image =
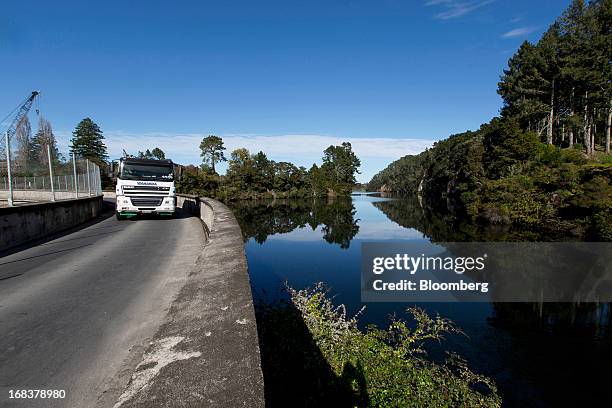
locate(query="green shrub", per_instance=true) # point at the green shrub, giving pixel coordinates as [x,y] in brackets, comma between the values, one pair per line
[573,156]
[605,158]
[550,155]
[388,367]
[602,225]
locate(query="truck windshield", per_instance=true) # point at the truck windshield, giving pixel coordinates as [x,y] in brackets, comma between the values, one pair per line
[146,172]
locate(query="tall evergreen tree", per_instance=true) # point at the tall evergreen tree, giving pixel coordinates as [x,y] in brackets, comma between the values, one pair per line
[562,85]
[88,142]
[212,151]
[548,48]
[523,87]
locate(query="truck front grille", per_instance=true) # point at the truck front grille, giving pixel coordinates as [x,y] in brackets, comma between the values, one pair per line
[147,201]
[150,188]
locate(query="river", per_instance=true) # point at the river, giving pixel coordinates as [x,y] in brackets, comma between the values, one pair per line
[539,354]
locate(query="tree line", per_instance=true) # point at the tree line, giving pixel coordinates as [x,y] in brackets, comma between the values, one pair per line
[254,175]
[31,158]
[155,154]
[561,86]
[543,162]
[31,150]
[248,175]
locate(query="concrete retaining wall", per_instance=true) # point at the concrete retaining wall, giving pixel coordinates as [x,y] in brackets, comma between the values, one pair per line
[28,222]
[200,207]
[214,319]
[39,195]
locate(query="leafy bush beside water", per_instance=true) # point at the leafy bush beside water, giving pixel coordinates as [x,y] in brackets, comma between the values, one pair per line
[314,354]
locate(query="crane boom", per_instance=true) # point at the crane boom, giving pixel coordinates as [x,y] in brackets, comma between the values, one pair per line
[22,110]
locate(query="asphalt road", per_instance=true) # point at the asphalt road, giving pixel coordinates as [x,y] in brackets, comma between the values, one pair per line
[76,312]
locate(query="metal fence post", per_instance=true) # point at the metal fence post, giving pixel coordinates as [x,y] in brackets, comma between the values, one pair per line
[8,169]
[98,181]
[76,178]
[88,179]
[51,173]
[95,179]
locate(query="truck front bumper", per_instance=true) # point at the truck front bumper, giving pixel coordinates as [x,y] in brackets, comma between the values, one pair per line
[125,207]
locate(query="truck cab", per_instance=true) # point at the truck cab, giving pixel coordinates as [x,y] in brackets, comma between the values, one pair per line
[145,186]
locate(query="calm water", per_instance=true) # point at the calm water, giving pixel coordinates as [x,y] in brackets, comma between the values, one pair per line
[540,355]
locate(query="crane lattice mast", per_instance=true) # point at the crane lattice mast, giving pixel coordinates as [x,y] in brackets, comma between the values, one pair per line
[22,110]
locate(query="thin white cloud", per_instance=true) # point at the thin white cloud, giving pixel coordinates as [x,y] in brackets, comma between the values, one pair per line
[454,9]
[519,32]
[187,144]
[301,149]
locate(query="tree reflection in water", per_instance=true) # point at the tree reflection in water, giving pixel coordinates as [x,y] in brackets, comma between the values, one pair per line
[594,318]
[260,219]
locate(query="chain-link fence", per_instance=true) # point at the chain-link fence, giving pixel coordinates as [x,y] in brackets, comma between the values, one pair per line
[41,174]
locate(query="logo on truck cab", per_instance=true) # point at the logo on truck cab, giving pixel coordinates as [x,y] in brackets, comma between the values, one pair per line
[146,183]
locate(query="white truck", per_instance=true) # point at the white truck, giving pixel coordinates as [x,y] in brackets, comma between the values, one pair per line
[145,186]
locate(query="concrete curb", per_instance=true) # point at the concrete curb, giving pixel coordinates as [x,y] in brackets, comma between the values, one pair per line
[206,353]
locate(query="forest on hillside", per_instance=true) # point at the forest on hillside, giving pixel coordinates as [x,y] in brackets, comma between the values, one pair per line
[545,161]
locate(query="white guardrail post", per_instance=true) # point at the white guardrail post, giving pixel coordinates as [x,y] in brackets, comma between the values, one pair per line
[99,180]
[88,179]
[51,173]
[8,169]
[76,178]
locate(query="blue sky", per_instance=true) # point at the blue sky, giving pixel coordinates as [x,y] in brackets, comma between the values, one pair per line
[286,77]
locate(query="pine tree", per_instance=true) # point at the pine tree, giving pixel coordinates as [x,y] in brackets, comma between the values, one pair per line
[524,88]
[212,151]
[548,48]
[88,142]
[562,85]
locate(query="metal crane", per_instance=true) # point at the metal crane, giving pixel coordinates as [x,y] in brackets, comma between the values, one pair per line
[5,143]
[22,109]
